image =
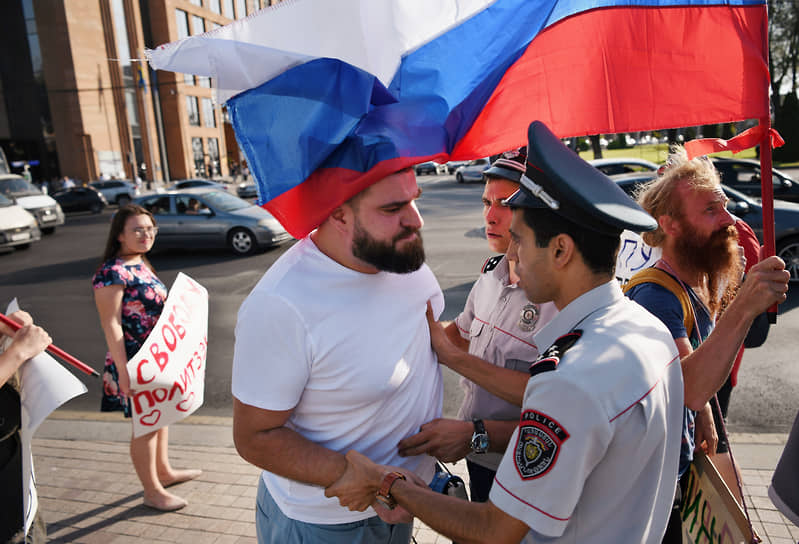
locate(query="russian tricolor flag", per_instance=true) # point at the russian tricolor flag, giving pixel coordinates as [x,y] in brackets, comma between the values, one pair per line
[328,96]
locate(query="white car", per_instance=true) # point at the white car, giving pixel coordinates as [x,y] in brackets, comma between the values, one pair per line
[116,191]
[472,171]
[44,208]
[17,226]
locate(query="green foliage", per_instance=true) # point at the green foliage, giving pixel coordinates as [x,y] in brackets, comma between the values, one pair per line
[619,142]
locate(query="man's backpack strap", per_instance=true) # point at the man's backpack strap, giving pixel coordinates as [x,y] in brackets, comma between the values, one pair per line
[667,281]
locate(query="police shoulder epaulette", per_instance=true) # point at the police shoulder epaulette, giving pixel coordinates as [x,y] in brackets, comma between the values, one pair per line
[491,263]
[551,357]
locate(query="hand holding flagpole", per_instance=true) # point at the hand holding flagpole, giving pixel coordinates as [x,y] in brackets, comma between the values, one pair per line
[55,350]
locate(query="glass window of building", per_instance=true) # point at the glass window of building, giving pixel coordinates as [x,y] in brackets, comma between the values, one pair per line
[197,2]
[188,79]
[197,24]
[204,81]
[213,156]
[193,110]
[198,156]
[215,6]
[241,10]
[209,116]
[183,23]
[229,9]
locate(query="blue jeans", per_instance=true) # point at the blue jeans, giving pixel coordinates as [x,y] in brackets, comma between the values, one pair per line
[273,527]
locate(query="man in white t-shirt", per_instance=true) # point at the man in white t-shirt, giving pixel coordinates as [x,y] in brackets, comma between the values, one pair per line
[594,456]
[333,353]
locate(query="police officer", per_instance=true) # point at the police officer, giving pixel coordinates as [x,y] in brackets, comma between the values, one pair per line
[595,454]
[497,324]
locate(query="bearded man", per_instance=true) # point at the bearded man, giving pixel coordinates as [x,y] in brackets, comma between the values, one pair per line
[333,353]
[700,251]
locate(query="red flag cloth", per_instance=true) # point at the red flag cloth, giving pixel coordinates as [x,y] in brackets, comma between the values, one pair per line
[747,139]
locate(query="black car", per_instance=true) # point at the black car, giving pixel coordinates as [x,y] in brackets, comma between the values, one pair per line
[786,217]
[80,199]
[744,175]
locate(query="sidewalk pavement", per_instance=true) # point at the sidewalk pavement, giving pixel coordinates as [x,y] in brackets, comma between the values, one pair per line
[89,493]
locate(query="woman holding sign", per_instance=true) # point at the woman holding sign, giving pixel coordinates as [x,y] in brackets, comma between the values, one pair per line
[129,298]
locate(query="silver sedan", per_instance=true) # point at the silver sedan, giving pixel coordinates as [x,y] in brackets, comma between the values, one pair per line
[208,218]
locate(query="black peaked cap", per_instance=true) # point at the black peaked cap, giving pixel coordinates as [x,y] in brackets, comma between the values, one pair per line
[557,179]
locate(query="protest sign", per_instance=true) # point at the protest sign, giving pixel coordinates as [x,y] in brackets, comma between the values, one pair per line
[634,255]
[44,386]
[710,513]
[167,374]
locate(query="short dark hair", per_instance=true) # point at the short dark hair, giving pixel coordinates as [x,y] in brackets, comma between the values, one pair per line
[597,250]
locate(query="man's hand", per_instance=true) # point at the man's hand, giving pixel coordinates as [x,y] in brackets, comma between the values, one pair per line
[442,345]
[705,436]
[446,439]
[358,486]
[765,284]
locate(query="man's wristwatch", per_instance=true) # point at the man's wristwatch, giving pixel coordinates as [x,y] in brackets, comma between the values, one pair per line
[384,493]
[480,437]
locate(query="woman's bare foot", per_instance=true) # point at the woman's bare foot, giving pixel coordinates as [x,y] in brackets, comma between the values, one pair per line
[166,502]
[179,476]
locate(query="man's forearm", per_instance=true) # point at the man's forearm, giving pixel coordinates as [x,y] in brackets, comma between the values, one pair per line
[499,434]
[503,382]
[706,369]
[287,453]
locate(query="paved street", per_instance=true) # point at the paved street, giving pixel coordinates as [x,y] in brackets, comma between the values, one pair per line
[88,488]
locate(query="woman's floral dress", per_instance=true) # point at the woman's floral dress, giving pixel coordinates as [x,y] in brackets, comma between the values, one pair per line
[142,301]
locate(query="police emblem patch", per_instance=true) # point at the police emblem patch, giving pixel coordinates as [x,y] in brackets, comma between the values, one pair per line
[528,317]
[538,444]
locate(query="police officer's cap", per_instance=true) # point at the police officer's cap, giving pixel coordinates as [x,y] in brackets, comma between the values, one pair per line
[510,165]
[557,179]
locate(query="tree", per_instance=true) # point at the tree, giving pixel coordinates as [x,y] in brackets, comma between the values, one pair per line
[783,35]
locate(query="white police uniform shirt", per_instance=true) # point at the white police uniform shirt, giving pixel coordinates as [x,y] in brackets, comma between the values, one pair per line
[595,456]
[499,323]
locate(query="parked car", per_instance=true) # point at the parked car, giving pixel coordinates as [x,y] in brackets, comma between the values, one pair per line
[80,199]
[786,217]
[116,191]
[744,175]
[194,183]
[18,227]
[623,165]
[472,171]
[430,167]
[47,212]
[452,166]
[218,220]
[247,189]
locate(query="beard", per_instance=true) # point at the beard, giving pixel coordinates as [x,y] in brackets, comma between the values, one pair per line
[384,255]
[717,256]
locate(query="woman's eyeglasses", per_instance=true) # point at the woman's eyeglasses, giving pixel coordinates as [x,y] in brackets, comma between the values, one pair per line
[141,232]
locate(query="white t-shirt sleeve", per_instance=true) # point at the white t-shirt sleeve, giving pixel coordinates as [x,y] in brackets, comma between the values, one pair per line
[563,433]
[272,354]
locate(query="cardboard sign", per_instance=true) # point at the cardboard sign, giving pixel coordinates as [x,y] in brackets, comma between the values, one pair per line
[167,374]
[710,513]
[634,255]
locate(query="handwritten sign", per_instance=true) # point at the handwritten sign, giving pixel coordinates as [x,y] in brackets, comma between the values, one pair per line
[45,385]
[634,255]
[168,372]
[710,513]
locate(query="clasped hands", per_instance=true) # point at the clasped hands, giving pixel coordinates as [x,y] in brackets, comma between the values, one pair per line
[357,488]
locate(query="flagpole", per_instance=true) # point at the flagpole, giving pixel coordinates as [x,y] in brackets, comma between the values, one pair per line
[767,200]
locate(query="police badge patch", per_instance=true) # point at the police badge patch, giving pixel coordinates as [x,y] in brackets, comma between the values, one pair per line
[528,317]
[538,444]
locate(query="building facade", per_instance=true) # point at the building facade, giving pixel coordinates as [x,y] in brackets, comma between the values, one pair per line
[99,110]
